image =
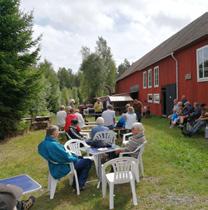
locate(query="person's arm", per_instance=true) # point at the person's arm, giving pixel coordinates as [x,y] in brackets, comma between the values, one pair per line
[75,134]
[60,155]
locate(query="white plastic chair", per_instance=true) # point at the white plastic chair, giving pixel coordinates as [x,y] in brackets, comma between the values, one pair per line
[106,136]
[139,152]
[123,173]
[125,137]
[52,183]
[74,146]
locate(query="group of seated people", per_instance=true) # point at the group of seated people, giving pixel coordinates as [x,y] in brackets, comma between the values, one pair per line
[190,118]
[58,158]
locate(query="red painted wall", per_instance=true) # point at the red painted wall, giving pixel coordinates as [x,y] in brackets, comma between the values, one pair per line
[194,91]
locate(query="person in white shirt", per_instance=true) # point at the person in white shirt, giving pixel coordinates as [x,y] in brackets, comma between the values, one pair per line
[131,118]
[61,117]
[109,117]
[80,119]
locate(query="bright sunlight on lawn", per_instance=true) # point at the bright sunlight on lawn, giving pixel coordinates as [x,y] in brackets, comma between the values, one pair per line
[176,173]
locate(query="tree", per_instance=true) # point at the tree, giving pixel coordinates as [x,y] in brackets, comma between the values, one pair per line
[53,95]
[18,52]
[123,67]
[92,82]
[108,64]
[66,78]
[85,51]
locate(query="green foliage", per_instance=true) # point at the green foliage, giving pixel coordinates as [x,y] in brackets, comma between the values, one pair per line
[18,52]
[108,64]
[65,77]
[91,78]
[52,86]
[101,66]
[123,67]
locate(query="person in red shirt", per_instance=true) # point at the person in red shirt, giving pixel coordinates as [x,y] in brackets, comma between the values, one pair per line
[70,116]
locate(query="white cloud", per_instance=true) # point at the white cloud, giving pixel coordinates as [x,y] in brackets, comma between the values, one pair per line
[131,28]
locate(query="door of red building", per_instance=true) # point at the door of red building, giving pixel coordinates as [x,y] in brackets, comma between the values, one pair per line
[168,95]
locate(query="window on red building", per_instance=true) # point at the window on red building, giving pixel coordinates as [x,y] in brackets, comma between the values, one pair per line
[144,79]
[149,78]
[156,76]
[202,64]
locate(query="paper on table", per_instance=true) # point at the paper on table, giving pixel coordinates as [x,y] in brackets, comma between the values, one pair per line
[103,149]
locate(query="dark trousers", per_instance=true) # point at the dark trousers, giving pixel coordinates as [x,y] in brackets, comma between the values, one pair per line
[139,116]
[82,167]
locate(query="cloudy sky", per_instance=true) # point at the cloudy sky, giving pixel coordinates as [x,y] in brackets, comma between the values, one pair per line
[131,27]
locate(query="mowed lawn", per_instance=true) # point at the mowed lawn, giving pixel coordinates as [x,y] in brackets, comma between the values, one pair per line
[176,173]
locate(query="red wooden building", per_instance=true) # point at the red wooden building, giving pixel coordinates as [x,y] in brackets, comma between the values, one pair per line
[178,66]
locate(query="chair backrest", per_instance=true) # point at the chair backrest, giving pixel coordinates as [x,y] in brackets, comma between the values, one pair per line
[122,167]
[74,146]
[139,150]
[108,137]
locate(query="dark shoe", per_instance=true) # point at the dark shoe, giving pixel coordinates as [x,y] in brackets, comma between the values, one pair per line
[28,203]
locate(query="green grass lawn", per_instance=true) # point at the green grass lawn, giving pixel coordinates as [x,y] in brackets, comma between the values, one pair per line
[176,173]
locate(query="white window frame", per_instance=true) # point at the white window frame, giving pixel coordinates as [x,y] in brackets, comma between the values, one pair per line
[156,101]
[158,70]
[144,79]
[149,73]
[149,100]
[205,79]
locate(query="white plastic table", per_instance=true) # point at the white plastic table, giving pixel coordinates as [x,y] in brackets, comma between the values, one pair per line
[23,181]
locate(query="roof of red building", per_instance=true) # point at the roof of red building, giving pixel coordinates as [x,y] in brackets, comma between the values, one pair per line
[190,33]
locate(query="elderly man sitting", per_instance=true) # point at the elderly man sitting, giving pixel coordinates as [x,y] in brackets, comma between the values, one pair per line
[135,140]
[99,127]
[53,151]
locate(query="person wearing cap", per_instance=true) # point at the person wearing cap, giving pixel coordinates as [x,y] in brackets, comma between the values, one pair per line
[9,198]
[99,127]
[61,117]
[109,117]
[73,131]
[58,158]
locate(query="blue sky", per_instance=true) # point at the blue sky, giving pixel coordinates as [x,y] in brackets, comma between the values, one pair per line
[131,28]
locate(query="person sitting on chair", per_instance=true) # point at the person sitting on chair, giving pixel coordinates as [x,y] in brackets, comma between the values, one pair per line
[57,158]
[73,131]
[99,127]
[136,139]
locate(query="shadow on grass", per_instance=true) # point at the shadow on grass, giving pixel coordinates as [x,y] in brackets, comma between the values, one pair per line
[89,199]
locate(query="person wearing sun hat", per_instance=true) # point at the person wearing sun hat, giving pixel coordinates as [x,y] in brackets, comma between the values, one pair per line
[9,198]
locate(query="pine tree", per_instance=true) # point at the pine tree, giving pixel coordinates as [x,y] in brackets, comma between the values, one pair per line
[18,53]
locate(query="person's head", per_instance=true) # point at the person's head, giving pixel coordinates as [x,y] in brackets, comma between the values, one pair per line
[183,97]
[196,104]
[62,107]
[187,103]
[180,104]
[137,128]
[98,100]
[72,101]
[53,131]
[110,107]
[175,101]
[68,108]
[130,109]
[100,121]
[9,194]
[127,106]
[74,122]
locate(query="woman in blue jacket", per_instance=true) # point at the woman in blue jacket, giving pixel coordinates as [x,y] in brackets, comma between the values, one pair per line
[57,158]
